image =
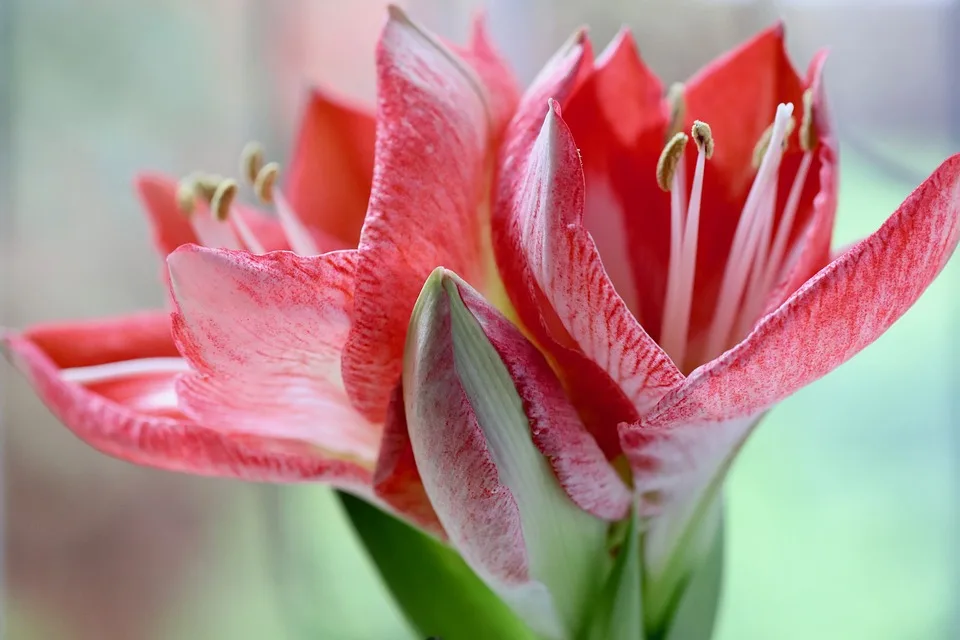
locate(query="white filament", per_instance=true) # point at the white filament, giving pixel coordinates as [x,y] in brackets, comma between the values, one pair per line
[296,232]
[676,315]
[747,237]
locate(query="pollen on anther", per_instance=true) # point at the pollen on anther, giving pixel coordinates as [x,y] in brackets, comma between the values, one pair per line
[669,159]
[265,180]
[222,199]
[251,161]
[703,137]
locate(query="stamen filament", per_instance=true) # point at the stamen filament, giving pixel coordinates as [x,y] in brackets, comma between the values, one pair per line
[299,237]
[246,234]
[747,235]
[786,221]
[124,369]
[677,317]
[670,174]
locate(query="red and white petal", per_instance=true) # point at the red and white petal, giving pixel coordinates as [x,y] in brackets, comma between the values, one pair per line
[328,180]
[492,487]
[433,130]
[562,292]
[265,336]
[129,410]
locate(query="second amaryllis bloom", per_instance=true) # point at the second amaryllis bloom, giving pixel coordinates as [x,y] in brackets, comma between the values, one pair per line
[561,316]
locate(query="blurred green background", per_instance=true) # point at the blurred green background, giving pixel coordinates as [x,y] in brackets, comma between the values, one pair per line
[842,511]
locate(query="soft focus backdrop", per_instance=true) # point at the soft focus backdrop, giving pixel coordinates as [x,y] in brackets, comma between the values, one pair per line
[842,512]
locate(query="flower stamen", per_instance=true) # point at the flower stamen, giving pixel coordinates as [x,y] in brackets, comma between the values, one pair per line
[210,230]
[807,143]
[745,250]
[679,301]
[222,199]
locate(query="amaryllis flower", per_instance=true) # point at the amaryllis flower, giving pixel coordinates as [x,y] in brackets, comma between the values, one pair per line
[112,381]
[565,312]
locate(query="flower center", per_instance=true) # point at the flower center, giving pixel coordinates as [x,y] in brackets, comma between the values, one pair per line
[226,227]
[758,249]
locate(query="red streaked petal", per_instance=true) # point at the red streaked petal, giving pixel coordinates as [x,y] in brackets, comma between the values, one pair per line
[557,274]
[431,160]
[328,181]
[107,416]
[579,464]
[265,335]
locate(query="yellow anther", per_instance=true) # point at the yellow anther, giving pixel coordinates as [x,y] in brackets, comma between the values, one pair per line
[670,157]
[251,161]
[808,137]
[678,109]
[266,178]
[222,199]
[702,135]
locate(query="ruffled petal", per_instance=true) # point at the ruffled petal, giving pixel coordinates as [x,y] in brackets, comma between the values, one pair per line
[129,410]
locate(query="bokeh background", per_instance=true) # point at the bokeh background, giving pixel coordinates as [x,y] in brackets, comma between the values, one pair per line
[843,509]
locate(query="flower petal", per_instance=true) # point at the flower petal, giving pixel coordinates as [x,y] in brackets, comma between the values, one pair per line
[431,161]
[396,479]
[131,413]
[328,181]
[618,121]
[491,486]
[95,342]
[264,335]
[560,288]
[502,91]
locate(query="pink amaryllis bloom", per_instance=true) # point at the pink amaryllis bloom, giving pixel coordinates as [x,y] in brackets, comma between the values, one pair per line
[112,381]
[561,306]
